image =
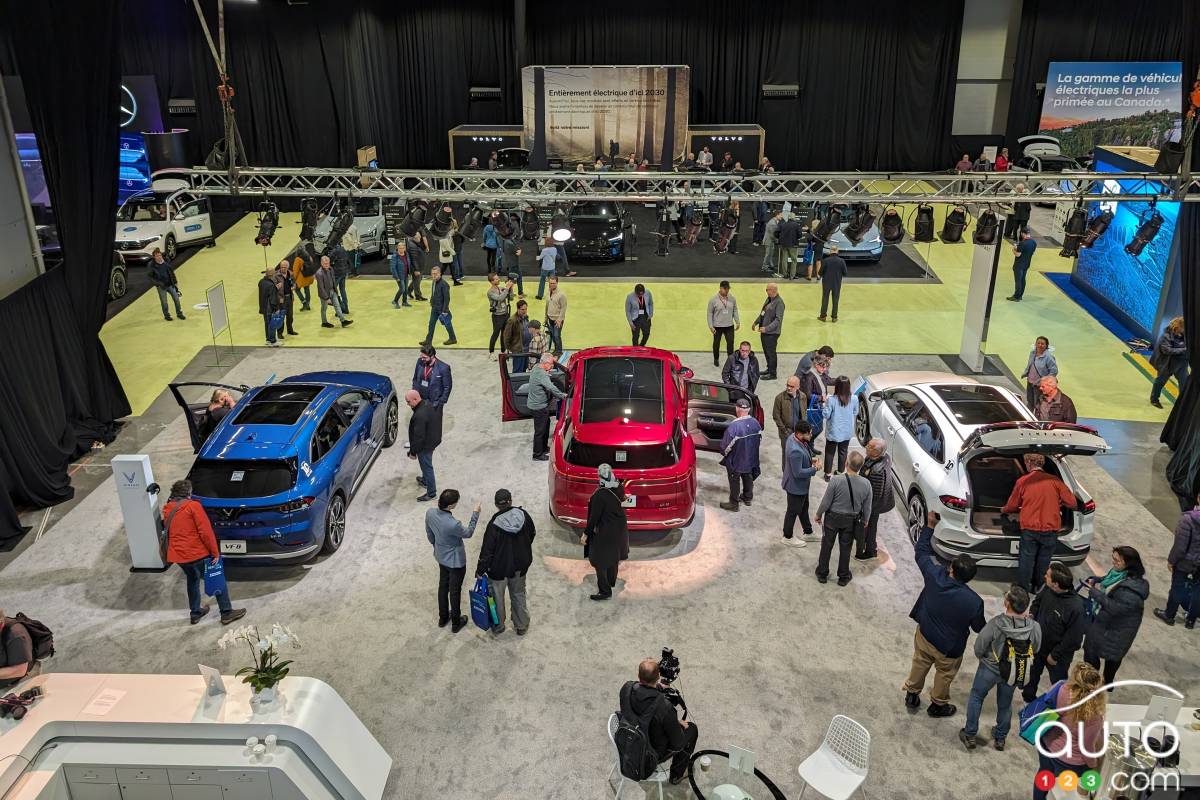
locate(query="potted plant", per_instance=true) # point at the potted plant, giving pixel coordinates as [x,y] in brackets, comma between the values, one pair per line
[268,669]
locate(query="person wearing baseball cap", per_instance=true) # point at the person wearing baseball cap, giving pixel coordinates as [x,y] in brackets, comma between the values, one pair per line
[505,557]
[739,449]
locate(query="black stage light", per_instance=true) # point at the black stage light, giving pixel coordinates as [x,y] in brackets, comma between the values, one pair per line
[1073,230]
[1096,228]
[268,221]
[825,227]
[415,219]
[858,227]
[472,221]
[442,218]
[560,226]
[952,228]
[341,224]
[531,228]
[503,224]
[891,227]
[1145,233]
[985,227]
[923,227]
[310,213]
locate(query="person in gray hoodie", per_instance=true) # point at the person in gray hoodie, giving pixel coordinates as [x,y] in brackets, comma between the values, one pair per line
[505,558]
[446,534]
[995,660]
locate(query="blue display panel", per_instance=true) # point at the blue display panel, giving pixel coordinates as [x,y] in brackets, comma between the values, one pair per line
[134,174]
[1128,286]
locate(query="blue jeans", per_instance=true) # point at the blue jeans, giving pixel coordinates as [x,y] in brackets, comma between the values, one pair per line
[1055,766]
[341,289]
[1184,593]
[305,295]
[401,295]
[542,283]
[173,291]
[337,309]
[1019,281]
[433,320]
[425,459]
[1181,375]
[357,262]
[194,573]
[456,267]
[520,364]
[985,679]
[1033,558]
[555,332]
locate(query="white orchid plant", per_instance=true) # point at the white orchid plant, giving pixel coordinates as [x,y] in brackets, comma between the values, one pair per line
[268,670]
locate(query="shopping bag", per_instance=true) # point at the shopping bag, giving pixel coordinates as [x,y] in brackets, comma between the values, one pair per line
[214,578]
[815,415]
[482,604]
[445,317]
[277,320]
[491,595]
[1035,716]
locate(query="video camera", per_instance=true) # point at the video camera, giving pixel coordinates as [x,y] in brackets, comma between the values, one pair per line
[668,673]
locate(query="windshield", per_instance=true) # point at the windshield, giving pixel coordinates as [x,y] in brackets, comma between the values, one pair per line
[232,479]
[622,388]
[144,209]
[366,206]
[594,211]
[977,405]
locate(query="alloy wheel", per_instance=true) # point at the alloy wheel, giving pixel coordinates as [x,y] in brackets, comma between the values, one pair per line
[916,516]
[335,526]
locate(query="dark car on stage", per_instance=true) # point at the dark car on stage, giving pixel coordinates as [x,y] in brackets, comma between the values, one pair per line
[278,471]
[640,411]
[597,231]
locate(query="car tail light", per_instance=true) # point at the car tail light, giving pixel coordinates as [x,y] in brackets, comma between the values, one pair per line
[950,501]
[296,505]
[1089,507]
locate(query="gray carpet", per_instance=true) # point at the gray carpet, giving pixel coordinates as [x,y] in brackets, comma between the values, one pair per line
[769,656]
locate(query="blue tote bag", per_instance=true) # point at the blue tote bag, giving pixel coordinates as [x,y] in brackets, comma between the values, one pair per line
[1035,716]
[481,612]
[214,578]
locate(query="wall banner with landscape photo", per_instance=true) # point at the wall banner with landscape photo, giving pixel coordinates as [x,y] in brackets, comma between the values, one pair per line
[578,113]
[1120,103]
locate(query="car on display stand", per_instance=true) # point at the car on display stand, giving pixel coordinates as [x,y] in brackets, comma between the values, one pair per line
[1041,153]
[956,447]
[166,216]
[869,248]
[597,231]
[368,221]
[277,473]
[639,410]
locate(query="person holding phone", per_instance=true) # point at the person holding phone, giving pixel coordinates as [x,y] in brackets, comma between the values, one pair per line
[191,544]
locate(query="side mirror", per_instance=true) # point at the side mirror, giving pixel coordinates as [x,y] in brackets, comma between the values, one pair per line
[376,398]
[179,217]
[686,372]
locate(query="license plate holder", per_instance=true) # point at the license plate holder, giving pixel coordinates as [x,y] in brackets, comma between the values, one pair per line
[233,546]
[630,501]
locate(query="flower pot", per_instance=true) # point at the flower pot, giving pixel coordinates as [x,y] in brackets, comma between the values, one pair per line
[263,697]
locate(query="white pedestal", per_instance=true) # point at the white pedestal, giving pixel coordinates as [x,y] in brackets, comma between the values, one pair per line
[140,511]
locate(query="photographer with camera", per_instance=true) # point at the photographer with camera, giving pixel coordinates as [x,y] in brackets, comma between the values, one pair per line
[648,719]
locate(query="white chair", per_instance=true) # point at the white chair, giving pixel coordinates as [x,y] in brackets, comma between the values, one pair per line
[661,774]
[839,766]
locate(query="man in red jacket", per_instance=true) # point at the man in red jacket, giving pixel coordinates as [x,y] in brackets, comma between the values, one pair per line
[190,544]
[1040,497]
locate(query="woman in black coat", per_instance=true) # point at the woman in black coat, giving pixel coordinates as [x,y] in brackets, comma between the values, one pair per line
[1117,602]
[606,537]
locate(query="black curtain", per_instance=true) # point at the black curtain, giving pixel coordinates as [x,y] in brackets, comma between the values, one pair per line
[876,91]
[1095,30]
[60,391]
[1182,431]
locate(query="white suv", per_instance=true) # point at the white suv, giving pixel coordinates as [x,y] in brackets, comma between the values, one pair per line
[166,216]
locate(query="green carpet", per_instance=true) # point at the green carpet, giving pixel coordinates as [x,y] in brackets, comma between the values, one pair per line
[874,318]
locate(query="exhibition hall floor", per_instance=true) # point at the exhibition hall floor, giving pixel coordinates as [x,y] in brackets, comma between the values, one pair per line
[892,317]
[768,654]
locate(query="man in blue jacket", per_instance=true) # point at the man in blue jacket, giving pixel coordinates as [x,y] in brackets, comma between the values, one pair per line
[439,308]
[946,612]
[799,465]
[432,379]
[739,447]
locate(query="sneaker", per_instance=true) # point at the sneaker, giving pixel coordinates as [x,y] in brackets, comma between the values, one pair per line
[843,581]
[458,625]
[912,701]
[1156,403]
[395,304]
[458,283]
[326,324]
[233,616]
[168,319]
[496,630]
[1162,615]
[599,597]
[729,506]
[811,537]
[450,341]
[346,323]
[181,316]
[941,709]
[998,744]
[967,740]
[197,617]
[794,542]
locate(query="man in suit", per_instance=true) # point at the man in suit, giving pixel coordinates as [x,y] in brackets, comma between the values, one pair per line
[832,270]
[639,311]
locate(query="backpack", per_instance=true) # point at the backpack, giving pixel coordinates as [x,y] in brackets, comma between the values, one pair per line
[1016,657]
[637,758]
[39,634]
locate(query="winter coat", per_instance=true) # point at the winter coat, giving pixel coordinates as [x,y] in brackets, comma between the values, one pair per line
[1187,539]
[400,266]
[162,275]
[1060,409]
[340,260]
[607,529]
[191,536]
[947,610]
[1038,495]
[781,411]
[877,471]
[416,253]
[1063,621]
[1043,365]
[740,444]
[839,419]
[512,338]
[732,371]
[489,237]
[813,383]
[507,549]
[1170,353]
[797,467]
[788,233]
[325,284]
[436,388]
[1112,632]
[268,297]
[424,428]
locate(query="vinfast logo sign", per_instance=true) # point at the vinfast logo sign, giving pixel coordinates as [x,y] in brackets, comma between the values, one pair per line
[1158,738]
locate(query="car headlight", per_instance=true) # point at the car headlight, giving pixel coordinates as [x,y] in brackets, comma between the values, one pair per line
[618,238]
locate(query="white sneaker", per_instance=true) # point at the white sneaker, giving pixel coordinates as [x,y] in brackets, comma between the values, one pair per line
[795,542]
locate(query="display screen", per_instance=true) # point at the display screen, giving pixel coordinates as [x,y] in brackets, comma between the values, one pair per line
[1129,286]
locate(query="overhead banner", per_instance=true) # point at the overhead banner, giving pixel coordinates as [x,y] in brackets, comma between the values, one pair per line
[1120,103]
[578,113]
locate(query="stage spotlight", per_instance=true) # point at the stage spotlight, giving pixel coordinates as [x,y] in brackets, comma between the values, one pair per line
[472,221]
[891,227]
[985,227]
[415,219]
[923,227]
[442,218]
[310,213]
[560,226]
[1073,230]
[503,224]
[952,228]
[1096,228]
[1145,232]
[825,227]
[858,227]
[268,221]
[341,224]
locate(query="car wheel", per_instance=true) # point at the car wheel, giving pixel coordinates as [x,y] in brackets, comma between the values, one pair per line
[169,248]
[116,284]
[391,423]
[335,524]
[862,424]
[916,516]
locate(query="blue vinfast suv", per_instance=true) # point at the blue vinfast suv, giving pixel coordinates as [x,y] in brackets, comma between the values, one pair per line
[277,471]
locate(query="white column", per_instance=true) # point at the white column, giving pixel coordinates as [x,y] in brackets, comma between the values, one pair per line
[985,259]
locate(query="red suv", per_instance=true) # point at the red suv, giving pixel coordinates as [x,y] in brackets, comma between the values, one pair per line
[639,410]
